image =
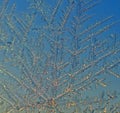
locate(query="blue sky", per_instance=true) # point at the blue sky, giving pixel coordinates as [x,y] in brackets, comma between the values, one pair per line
[109,7]
[105,6]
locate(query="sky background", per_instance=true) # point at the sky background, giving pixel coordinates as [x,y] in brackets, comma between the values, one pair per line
[109,7]
[103,9]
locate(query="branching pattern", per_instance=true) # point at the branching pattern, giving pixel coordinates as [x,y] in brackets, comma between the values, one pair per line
[52,59]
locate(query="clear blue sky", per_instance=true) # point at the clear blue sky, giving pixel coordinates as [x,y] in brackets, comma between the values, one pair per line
[106,6]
